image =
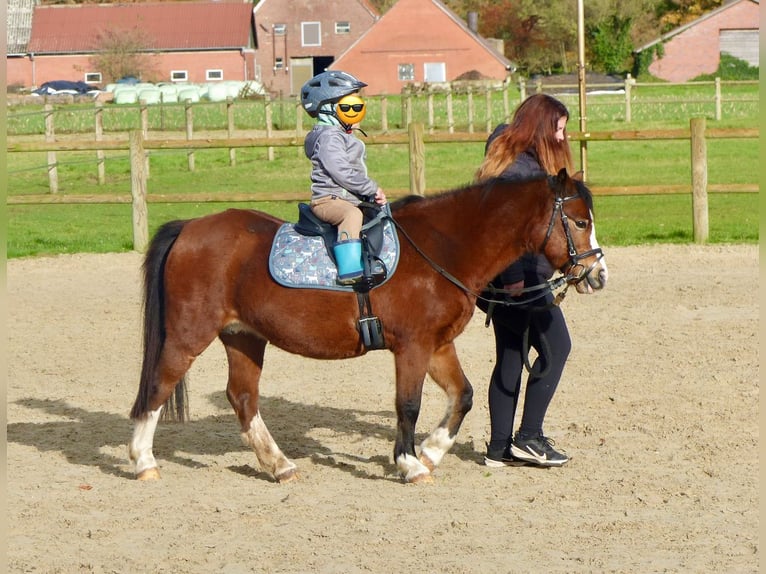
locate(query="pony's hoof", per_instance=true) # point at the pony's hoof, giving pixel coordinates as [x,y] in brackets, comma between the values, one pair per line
[149,474]
[288,476]
[425,478]
[427,462]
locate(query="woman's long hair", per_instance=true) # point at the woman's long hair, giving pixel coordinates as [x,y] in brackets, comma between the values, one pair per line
[533,128]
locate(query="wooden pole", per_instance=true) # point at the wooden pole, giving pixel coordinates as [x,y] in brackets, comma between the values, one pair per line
[269,126]
[138,192]
[230,129]
[581,84]
[417,159]
[99,137]
[50,136]
[488,105]
[699,180]
[189,131]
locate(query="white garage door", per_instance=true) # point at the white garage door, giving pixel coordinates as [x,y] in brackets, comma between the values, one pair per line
[742,44]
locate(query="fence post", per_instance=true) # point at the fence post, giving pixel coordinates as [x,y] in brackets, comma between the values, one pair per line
[699,180]
[470,110]
[189,131]
[99,137]
[628,111]
[506,104]
[268,110]
[718,99]
[145,129]
[417,159]
[230,129]
[50,136]
[138,192]
[488,104]
[430,100]
[450,113]
[522,89]
[384,114]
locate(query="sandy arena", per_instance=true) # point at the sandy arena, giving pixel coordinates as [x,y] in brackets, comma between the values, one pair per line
[658,409]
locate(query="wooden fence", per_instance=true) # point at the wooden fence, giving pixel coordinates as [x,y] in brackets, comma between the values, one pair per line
[416,138]
[451,107]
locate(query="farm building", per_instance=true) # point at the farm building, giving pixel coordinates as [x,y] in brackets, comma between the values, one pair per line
[298,39]
[421,41]
[181,42]
[696,47]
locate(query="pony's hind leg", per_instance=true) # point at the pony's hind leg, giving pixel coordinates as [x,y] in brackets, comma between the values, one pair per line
[173,364]
[245,354]
[445,370]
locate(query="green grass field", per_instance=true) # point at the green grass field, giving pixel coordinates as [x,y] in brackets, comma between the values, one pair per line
[622,220]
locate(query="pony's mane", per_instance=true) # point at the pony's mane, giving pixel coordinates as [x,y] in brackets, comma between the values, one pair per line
[487,185]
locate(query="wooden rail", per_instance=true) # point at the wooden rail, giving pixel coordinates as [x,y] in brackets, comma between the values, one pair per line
[416,139]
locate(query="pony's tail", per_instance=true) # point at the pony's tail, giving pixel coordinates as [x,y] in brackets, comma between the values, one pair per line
[176,407]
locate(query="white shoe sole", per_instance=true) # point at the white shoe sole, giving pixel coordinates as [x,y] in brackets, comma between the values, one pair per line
[531,458]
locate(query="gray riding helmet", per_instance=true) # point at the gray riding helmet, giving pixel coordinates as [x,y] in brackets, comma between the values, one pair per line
[329,86]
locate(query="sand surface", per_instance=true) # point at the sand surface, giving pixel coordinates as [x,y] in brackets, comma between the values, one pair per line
[657,408]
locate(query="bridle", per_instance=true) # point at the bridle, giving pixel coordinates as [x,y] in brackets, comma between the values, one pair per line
[574,257]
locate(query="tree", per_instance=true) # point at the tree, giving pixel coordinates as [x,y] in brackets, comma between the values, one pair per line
[123,52]
[610,44]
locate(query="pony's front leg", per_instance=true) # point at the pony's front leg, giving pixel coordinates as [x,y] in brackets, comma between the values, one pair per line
[245,354]
[446,372]
[410,373]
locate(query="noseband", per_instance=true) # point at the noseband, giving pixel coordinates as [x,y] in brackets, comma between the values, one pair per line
[574,258]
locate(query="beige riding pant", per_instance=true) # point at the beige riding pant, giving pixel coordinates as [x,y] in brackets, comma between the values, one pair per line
[339,212]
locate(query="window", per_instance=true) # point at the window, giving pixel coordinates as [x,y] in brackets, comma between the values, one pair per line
[279,29]
[93,78]
[179,75]
[213,75]
[342,27]
[407,72]
[279,63]
[435,72]
[311,34]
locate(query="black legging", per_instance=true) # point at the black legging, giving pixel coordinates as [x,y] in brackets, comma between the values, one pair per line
[508,324]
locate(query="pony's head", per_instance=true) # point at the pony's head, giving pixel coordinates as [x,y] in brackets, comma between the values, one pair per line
[572,231]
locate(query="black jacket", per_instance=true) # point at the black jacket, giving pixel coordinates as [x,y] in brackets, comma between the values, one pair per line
[530,268]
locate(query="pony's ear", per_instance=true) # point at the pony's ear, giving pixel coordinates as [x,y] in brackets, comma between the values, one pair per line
[578,175]
[562,176]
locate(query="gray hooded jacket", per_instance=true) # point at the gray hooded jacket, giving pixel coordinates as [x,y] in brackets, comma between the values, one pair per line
[338,165]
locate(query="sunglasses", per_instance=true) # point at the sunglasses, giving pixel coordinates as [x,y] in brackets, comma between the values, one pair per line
[348,107]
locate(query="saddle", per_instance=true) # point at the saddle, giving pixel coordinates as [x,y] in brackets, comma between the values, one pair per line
[371,235]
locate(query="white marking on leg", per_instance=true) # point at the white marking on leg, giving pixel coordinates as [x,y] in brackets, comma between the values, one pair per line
[411,468]
[140,449]
[269,455]
[436,445]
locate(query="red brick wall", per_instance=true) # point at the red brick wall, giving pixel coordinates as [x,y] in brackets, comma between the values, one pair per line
[422,33]
[35,72]
[696,50]
[293,13]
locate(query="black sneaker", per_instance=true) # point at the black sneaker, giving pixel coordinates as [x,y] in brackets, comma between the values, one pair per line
[537,450]
[497,457]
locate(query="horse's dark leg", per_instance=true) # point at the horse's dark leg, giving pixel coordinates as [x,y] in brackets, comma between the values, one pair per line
[245,353]
[445,370]
[411,368]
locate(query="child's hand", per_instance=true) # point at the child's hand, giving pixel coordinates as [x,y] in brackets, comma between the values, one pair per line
[380,197]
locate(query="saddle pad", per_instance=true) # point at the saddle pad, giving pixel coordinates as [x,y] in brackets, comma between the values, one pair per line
[302,261]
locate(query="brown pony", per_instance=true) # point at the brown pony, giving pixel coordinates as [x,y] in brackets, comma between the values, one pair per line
[209,277]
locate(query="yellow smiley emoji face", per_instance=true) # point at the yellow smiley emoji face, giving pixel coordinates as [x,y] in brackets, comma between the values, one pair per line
[351,109]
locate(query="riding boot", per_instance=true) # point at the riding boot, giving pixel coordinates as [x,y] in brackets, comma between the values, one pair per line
[348,256]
